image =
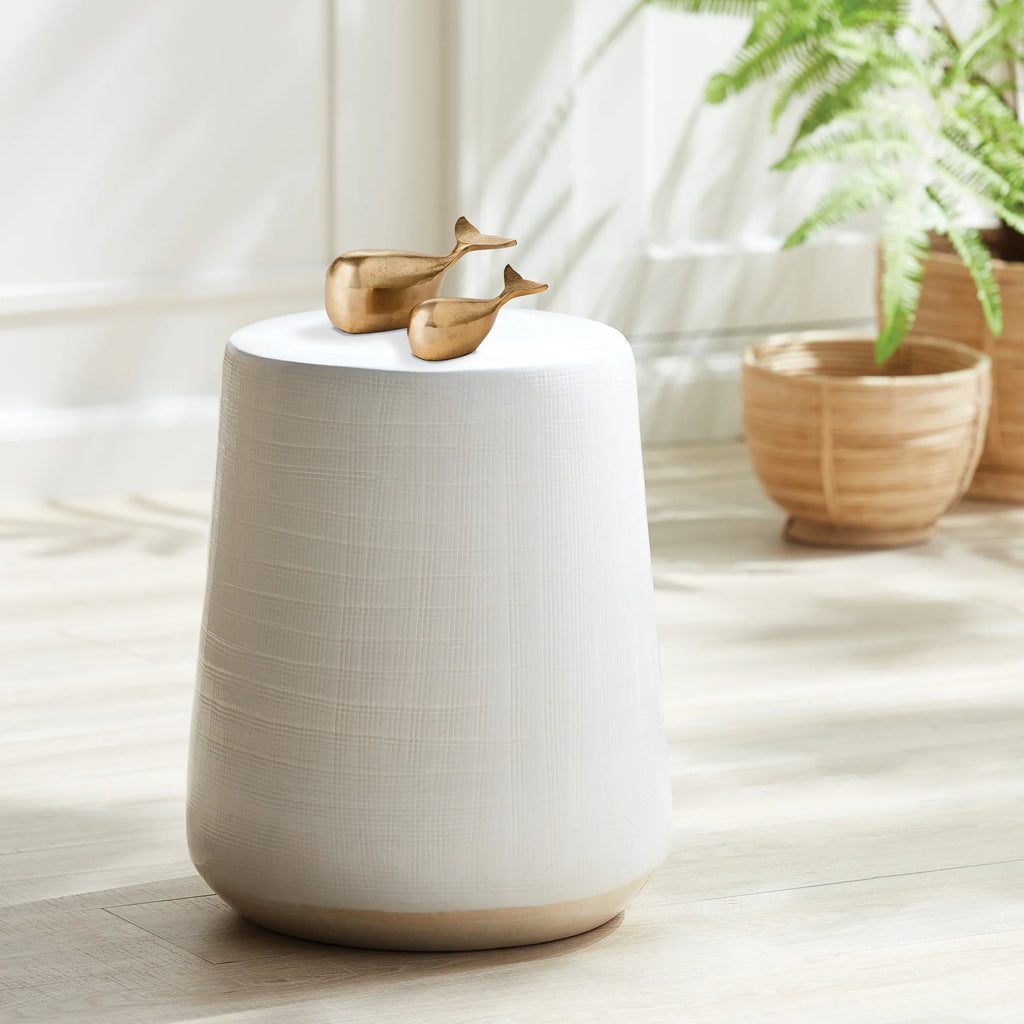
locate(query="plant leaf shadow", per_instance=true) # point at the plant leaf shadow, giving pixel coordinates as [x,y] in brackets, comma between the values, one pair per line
[66,528]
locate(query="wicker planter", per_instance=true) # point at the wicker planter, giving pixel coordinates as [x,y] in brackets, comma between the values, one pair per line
[861,455]
[949,309]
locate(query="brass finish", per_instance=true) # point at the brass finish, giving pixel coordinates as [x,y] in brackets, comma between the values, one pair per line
[449,328]
[446,930]
[376,289]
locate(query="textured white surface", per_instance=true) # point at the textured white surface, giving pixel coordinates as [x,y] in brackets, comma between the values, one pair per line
[428,676]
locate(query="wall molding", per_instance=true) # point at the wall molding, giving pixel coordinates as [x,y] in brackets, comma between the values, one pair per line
[837,238]
[689,381]
[656,343]
[688,386]
[129,446]
[64,421]
[28,300]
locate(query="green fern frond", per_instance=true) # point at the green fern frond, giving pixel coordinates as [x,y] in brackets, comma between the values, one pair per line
[921,117]
[817,70]
[1012,215]
[972,170]
[982,169]
[886,15]
[973,252]
[982,107]
[905,246]
[978,260]
[997,39]
[758,62]
[801,34]
[862,190]
[842,98]
[878,67]
[861,139]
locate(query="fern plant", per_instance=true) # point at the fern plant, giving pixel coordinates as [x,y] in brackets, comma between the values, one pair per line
[923,121]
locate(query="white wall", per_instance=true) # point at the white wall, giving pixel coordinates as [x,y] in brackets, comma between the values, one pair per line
[172,171]
[583,130]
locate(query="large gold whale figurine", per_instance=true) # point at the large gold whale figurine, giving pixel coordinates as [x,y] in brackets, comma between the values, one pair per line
[376,289]
[449,328]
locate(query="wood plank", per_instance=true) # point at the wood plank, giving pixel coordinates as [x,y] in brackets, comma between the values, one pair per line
[845,738]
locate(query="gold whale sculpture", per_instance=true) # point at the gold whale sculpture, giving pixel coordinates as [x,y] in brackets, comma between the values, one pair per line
[376,289]
[449,328]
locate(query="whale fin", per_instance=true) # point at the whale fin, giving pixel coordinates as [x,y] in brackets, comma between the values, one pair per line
[468,238]
[516,284]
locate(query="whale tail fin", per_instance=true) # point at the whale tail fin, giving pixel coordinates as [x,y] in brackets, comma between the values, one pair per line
[516,285]
[469,239]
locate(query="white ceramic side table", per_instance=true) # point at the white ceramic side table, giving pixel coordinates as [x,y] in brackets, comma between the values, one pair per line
[427,712]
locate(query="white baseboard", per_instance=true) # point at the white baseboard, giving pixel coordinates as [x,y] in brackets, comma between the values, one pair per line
[150,445]
[689,384]
[689,392]
[112,386]
[684,397]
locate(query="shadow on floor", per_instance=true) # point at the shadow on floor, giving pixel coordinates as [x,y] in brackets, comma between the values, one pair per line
[64,528]
[171,947]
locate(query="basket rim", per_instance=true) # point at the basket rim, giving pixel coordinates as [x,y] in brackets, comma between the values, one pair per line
[980,361]
[1009,267]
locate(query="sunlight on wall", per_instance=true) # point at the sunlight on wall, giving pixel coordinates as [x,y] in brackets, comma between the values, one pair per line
[175,171]
[163,183]
[644,207]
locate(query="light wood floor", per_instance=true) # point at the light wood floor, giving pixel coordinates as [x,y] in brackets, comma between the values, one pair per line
[847,737]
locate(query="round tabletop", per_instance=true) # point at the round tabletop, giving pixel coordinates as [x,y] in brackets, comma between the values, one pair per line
[520,338]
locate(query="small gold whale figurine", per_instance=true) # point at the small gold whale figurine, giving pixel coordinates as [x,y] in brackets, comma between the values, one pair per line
[376,289]
[449,328]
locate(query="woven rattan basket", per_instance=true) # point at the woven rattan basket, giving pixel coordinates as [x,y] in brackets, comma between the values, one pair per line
[862,455]
[949,308]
